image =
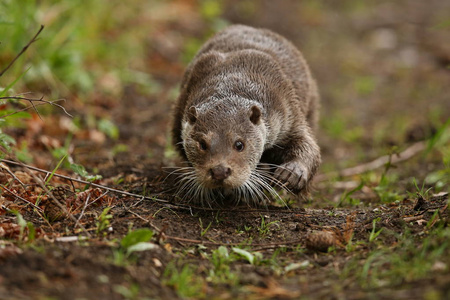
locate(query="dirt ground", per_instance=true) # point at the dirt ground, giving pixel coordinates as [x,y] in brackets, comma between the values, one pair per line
[383,74]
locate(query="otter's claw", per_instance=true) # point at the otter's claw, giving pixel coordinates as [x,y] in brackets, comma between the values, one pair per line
[293,174]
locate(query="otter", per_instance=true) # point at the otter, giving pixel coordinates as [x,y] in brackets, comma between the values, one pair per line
[245,118]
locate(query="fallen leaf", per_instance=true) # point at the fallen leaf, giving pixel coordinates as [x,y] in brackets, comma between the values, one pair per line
[273,290]
[421,222]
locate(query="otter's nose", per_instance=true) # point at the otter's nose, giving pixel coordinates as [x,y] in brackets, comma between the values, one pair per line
[220,172]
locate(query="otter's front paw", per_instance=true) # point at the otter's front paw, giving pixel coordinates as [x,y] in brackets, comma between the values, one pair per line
[293,174]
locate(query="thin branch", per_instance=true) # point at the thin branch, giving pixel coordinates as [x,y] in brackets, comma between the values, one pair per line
[86,204]
[377,163]
[35,109]
[58,203]
[84,207]
[34,105]
[34,39]
[2,166]
[20,198]
[165,202]
[23,109]
[84,182]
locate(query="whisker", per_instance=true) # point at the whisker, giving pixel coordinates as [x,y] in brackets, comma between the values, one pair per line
[273,180]
[259,180]
[266,180]
[258,189]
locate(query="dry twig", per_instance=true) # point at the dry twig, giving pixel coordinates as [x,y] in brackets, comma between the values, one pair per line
[375,164]
[58,203]
[83,181]
[166,202]
[34,39]
[41,100]
[20,198]
[5,168]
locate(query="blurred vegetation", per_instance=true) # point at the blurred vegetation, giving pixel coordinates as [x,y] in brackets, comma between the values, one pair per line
[89,45]
[82,41]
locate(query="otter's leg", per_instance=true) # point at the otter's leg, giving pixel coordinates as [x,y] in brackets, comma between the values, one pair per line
[298,162]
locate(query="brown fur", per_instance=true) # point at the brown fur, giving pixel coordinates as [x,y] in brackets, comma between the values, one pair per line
[248,86]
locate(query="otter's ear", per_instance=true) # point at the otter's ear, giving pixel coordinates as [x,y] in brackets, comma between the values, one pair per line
[192,115]
[255,114]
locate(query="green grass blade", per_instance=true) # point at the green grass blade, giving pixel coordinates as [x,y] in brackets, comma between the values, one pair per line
[55,169]
[8,87]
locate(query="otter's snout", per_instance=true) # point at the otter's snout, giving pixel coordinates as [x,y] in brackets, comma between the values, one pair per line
[220,172]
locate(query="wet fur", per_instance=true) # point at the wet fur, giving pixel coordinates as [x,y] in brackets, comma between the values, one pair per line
[237,70]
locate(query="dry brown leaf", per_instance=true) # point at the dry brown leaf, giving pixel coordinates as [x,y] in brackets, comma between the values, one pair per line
[344,236]
[24,177]
[89,196]
[421,222]
[168,247]
[34,125]
[97,136]
[349,228]
[273,290]
[49,142]
[9,230]
[4,176]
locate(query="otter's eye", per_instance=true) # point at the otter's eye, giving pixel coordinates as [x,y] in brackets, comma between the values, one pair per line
[202,145]
[239,146]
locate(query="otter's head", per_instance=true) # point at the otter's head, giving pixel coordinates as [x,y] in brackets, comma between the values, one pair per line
[224,141]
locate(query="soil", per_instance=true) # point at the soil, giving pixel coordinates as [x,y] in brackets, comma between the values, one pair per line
[54,267]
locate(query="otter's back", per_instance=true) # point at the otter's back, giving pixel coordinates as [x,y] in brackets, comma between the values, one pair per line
[240,37]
